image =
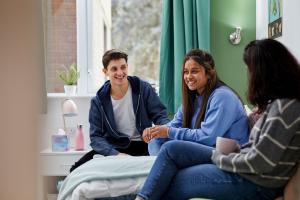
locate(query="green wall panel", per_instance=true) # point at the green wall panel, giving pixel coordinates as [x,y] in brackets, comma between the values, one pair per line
[225,15]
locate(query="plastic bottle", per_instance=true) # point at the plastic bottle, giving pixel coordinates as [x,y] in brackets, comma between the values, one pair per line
[79,139]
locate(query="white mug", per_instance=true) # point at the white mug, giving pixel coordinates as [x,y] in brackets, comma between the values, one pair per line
[226,145]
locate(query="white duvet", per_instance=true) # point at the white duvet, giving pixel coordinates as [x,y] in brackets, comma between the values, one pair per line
[106,188]
[106,177]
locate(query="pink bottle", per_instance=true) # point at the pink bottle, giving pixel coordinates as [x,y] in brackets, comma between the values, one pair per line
[79,139]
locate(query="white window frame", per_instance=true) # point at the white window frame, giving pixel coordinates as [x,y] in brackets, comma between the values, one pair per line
[82,45]
[84,13]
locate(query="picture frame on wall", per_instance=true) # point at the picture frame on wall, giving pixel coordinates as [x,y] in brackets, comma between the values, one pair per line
[275,18]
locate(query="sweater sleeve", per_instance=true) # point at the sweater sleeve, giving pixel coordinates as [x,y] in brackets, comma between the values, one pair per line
[177,120]
[221,113]
[273,133]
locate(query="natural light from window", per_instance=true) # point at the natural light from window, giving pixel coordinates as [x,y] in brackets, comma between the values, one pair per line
[81,31]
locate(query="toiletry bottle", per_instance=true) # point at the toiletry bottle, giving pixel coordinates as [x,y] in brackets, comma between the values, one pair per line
[79,139]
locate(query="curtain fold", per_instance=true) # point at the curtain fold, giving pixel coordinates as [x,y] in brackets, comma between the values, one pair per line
[185,25]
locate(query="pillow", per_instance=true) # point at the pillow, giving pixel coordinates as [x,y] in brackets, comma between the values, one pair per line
[108,188]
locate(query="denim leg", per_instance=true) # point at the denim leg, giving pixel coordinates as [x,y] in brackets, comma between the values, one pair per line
[173,156]
[124,197]
[155,145]
[208,181]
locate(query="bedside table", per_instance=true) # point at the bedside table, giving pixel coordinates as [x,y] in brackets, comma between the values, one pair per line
[55,166]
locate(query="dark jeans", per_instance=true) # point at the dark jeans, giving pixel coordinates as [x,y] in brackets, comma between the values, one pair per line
[136,148]
[124,197]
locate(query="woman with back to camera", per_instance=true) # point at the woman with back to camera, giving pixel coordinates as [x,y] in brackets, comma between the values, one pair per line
[209,108]
[265,164]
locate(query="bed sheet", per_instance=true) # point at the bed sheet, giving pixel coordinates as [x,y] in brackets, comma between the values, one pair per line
[106,177]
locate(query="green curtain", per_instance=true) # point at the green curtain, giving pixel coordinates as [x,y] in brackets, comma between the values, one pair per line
[185,25]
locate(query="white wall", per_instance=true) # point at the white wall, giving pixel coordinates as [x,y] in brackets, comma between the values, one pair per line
[290,24]
[52,121]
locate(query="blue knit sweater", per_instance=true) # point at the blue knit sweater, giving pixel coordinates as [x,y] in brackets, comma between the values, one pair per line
[225,117]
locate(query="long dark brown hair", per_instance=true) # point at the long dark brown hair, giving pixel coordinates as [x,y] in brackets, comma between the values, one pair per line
[188,96]
[273,73]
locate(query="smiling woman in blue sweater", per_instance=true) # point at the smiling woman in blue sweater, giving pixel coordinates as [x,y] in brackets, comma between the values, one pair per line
[209,108]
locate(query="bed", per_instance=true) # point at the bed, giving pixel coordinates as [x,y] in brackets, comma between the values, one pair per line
[121,177]
[105,177]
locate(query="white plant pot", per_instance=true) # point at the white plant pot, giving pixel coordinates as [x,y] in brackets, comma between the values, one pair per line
[70,90]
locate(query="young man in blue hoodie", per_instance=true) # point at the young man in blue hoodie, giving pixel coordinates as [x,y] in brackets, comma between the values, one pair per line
[123,107]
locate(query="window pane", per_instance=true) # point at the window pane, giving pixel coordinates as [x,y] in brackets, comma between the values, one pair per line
[60,39]
[136,29]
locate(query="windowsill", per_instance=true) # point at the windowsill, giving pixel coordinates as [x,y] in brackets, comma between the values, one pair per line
[63,95]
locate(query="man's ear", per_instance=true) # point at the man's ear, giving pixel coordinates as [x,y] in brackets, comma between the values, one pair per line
[104,71]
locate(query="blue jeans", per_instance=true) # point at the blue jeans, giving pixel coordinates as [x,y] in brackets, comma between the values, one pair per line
[155,145]
[184,170]
[124,197]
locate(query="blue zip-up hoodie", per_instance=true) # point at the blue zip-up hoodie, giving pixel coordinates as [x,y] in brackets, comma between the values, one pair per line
[147,107]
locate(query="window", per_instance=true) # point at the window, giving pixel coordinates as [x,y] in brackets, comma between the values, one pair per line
[60,39]
[136,29]
[98,26]
[78,31]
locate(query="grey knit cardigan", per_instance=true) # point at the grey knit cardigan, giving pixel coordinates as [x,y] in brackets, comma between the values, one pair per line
[273,152]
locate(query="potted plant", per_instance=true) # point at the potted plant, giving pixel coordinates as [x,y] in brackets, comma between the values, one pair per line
[70,77]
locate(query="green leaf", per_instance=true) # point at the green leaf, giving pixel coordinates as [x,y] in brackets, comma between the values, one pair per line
[69,75]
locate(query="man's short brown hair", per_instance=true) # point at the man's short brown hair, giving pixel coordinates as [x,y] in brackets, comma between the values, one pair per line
[112,54]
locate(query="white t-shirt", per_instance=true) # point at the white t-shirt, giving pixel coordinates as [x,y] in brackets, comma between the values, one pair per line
[124,115]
